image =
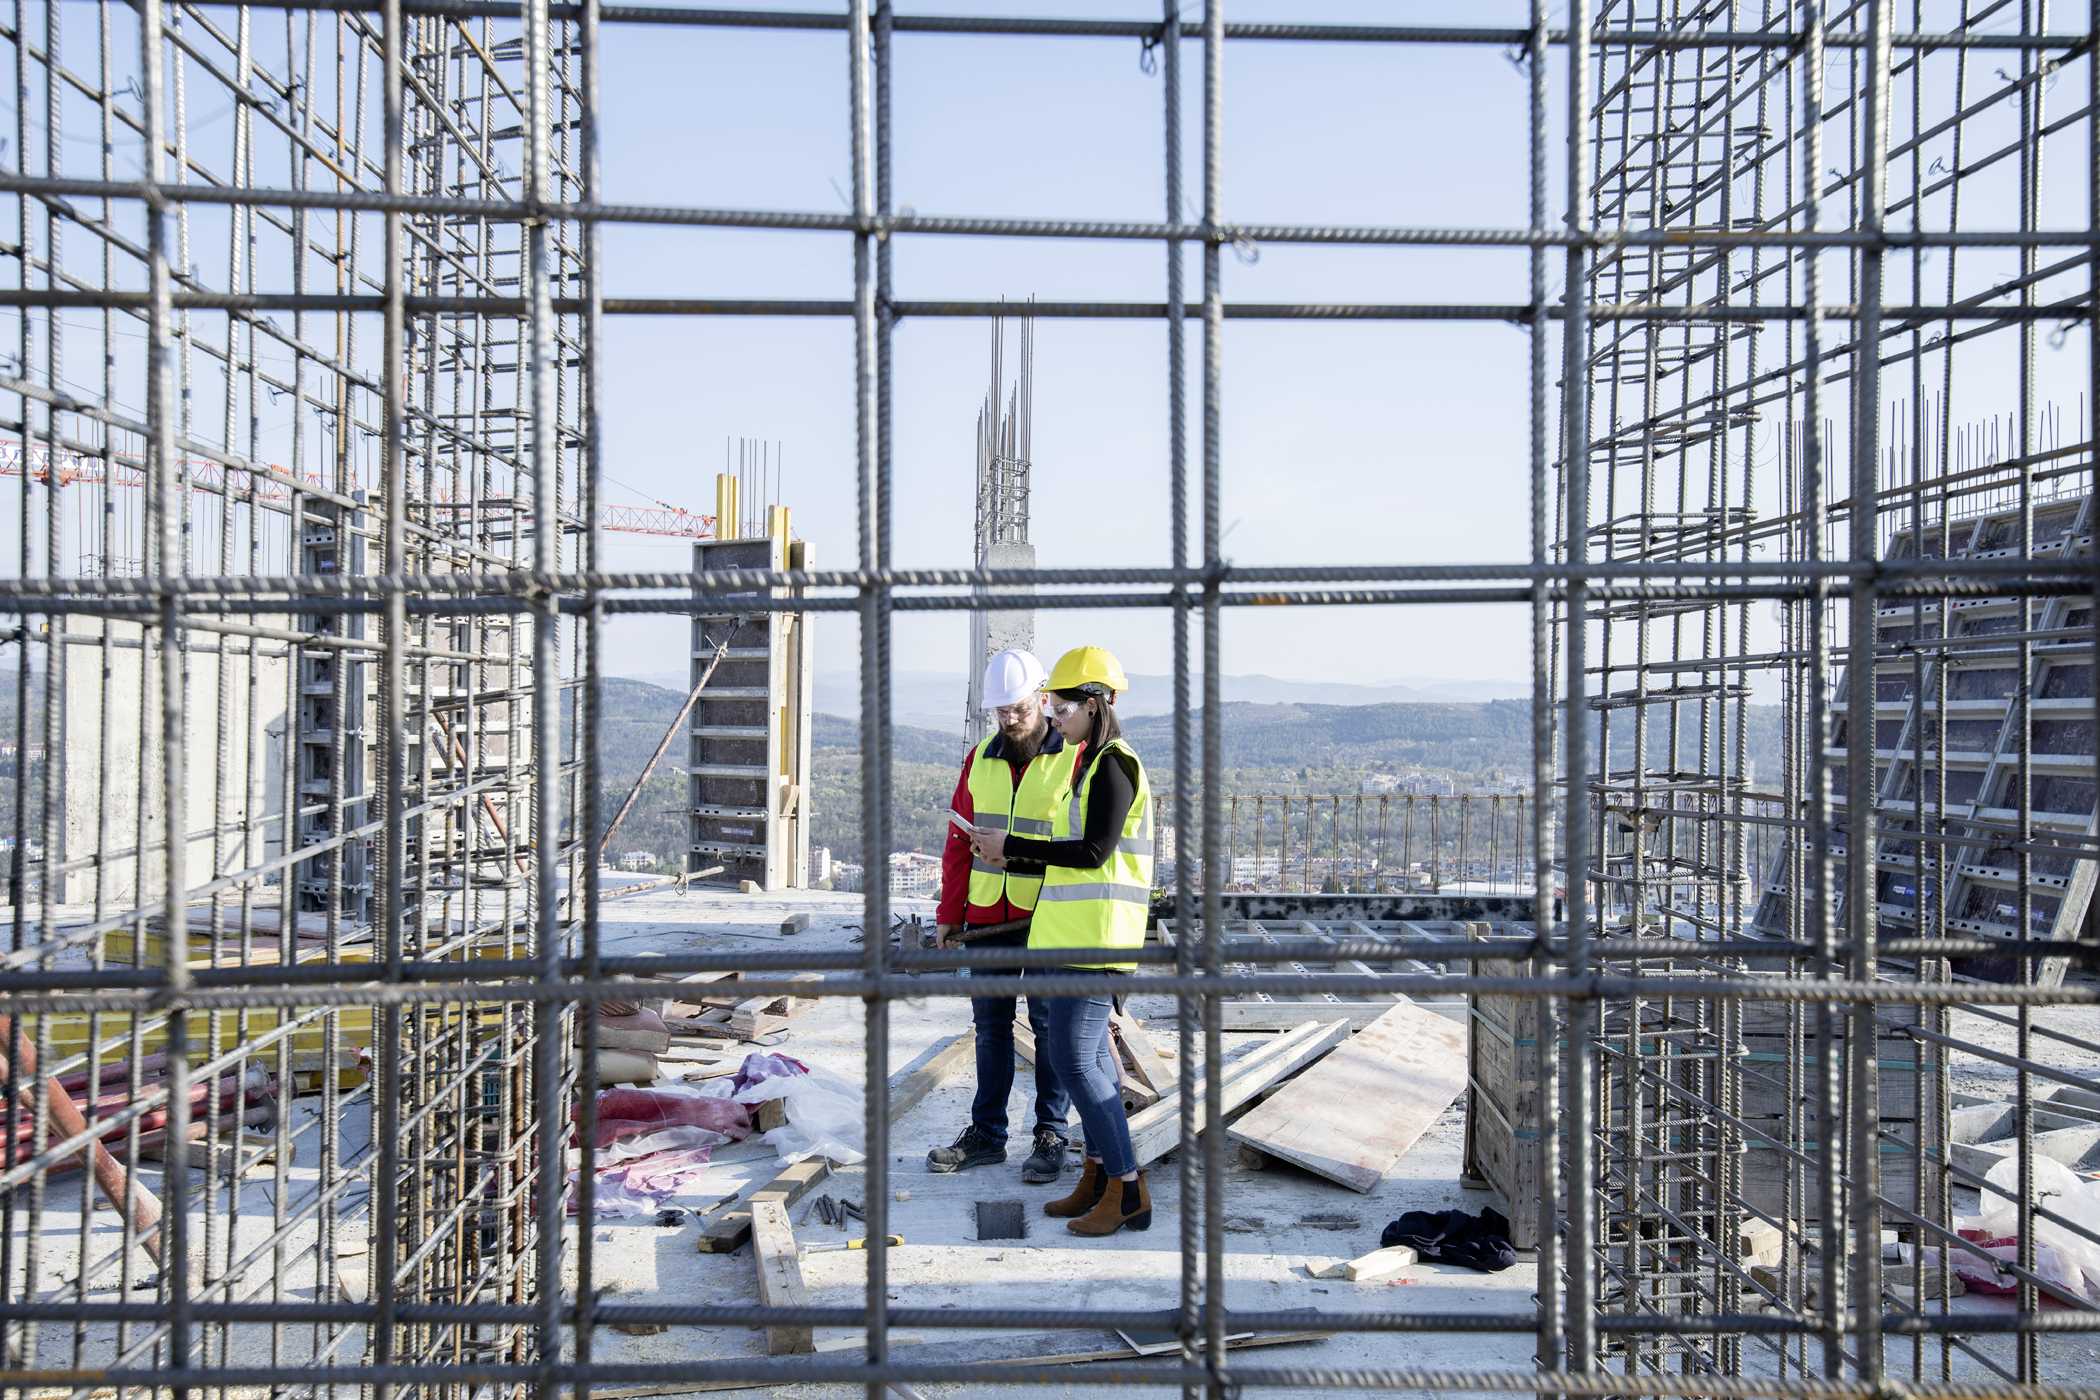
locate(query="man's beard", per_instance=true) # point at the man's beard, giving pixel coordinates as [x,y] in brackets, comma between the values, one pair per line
[1028,745]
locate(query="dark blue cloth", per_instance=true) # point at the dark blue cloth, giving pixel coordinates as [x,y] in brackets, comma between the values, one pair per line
[995,1054]
[1078,1049]
[1454,1237]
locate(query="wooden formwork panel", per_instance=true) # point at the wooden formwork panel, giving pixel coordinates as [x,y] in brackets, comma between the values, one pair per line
[1502,1092]
[1690,1051]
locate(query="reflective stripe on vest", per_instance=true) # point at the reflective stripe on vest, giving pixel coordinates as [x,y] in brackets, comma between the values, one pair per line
[1026,810]
[1104,907]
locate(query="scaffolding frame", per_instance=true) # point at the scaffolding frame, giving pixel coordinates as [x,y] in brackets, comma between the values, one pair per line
[474,959]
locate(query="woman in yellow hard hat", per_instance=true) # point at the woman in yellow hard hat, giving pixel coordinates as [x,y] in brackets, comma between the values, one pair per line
[1097,890]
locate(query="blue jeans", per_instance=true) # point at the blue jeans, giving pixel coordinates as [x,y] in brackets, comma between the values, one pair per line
[1079,1049]
[995,1057]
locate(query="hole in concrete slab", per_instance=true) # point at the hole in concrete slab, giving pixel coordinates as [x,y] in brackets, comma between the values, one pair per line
[1001,1220]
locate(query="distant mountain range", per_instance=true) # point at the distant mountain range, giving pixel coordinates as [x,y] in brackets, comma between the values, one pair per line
[935,699]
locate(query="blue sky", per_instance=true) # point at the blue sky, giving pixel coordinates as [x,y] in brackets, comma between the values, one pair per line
[1404,442]
[1342,443]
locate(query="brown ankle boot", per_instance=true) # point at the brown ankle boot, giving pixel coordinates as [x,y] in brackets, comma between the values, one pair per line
[1083,1196]
[1123,1203]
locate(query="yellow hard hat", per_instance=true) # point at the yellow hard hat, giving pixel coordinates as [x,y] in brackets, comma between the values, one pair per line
[1082,667]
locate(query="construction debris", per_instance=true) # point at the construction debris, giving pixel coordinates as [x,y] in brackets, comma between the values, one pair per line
[1353,1115]
[1380,1264]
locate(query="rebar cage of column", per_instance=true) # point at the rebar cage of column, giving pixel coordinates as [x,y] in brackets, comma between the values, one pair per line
[366,686]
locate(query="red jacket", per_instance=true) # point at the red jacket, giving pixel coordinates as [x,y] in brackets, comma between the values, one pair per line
[955,907]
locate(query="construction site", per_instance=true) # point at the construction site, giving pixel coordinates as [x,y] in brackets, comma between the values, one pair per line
[340,1061]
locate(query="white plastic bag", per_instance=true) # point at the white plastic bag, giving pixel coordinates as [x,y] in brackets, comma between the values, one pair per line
[676,1138]
[2059,1189]
[825,1113]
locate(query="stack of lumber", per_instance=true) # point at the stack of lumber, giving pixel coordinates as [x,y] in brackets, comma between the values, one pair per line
[716,1009]
[1155,1131]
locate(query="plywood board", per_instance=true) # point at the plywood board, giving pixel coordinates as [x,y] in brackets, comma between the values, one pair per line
[1354,1114]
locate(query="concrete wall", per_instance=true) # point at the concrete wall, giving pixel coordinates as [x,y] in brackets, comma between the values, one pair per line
[235,706]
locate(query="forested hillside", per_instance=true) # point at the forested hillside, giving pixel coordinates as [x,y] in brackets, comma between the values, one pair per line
[1267,749]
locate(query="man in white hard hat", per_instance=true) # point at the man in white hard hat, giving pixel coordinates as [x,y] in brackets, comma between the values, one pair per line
[1010,783]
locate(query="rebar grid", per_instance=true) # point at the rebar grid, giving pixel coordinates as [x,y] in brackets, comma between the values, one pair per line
[429,781]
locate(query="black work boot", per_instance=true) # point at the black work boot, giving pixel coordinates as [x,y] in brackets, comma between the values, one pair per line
[1047,1163]
[972,1149]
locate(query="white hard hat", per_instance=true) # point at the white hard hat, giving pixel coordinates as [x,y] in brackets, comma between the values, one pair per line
[1011,677]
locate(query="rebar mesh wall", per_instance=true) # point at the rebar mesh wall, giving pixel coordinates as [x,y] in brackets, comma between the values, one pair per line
[1719,1118]
[344,676]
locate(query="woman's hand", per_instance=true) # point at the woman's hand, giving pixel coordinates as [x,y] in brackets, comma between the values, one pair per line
[990,847]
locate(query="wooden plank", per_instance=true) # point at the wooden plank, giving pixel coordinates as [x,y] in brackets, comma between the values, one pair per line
[1380,1264]
[911,1090]
[1282,1015]
[779,1276]
[1156,1131]
[1357,1112]
[755,1016]
[731,1228]
[1144,1061]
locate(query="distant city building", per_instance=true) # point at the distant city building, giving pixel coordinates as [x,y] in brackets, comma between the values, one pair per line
[1380,782]
[1248,870]
[819,863]
[845,875]
[915,874]
[637,860]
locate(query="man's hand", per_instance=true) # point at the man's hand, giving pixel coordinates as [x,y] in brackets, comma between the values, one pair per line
[941,934]
[990,847]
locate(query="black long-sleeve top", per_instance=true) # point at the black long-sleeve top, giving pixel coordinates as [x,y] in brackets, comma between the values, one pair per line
[1107,808]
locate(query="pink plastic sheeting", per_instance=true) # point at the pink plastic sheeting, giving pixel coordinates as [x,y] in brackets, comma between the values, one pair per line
[625,1111]
[640,1186]
[2049,1263]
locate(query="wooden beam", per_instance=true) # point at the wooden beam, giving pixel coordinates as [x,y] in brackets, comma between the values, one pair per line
[911,1090]
[779,1275]
[1144,1056]
[731,1228]
[1282,1015]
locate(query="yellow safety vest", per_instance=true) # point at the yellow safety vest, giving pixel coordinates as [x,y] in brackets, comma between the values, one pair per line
[1104,907]
[1023,810]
